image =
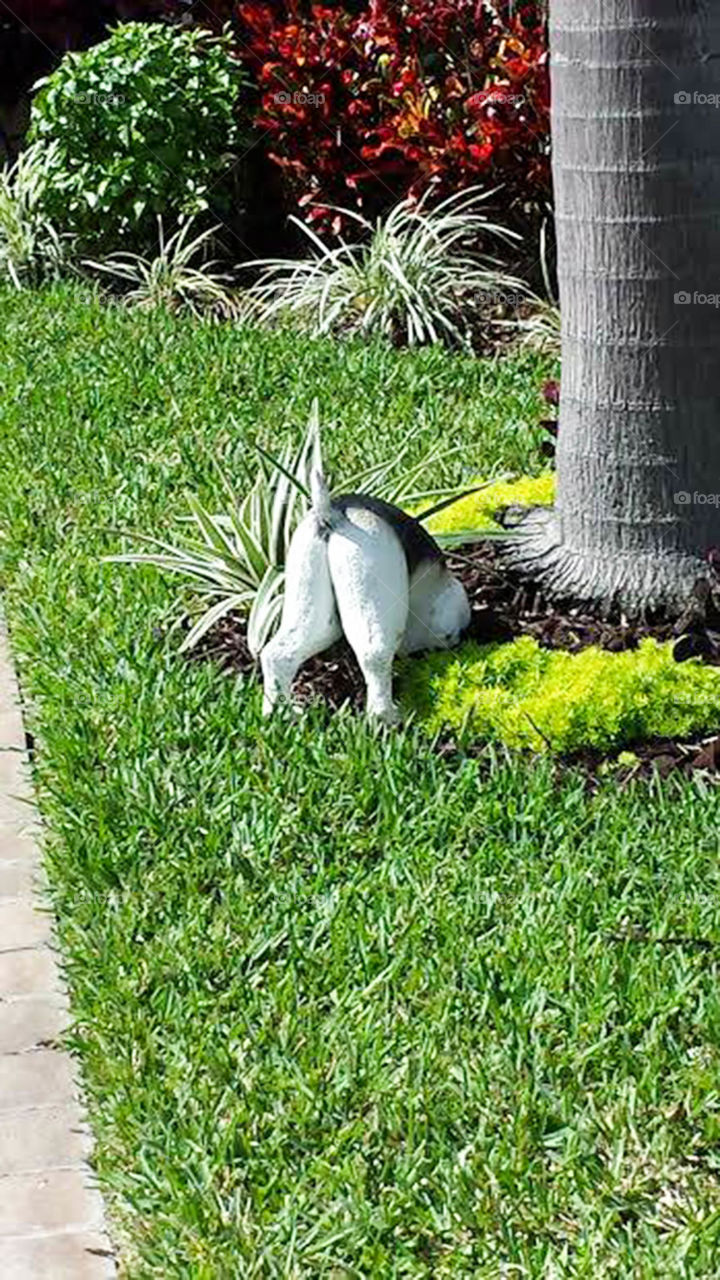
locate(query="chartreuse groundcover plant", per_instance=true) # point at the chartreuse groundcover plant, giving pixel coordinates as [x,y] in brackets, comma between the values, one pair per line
[523,696]
[474,514]
[343,1006]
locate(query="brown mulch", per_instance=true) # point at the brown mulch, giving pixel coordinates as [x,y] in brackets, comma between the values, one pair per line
[504,608]
[333,677]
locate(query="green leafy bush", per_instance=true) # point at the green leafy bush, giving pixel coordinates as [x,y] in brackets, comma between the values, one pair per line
[525,696]
[142,124]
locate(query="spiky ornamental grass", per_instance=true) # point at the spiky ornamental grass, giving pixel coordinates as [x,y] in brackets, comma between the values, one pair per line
[417,277]
[31,248]
[234,560]
[178,277]
[540,328]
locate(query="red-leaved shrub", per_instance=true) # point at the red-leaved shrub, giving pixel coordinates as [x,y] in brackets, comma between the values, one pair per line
[362,107]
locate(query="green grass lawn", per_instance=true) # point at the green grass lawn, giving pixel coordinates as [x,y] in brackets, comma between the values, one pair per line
[345,1008]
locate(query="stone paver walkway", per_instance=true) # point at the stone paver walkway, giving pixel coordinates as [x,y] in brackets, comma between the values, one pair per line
[51,1215]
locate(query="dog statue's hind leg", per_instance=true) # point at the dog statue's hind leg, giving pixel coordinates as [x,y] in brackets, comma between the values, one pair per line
[370,578]
[310,621]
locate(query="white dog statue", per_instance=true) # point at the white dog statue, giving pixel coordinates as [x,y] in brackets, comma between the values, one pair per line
[362,567]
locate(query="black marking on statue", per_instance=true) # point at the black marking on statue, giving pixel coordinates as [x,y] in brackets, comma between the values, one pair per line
[416,542]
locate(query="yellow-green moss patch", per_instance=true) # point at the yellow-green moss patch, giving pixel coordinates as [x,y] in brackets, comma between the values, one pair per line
[476,511]
[525,696]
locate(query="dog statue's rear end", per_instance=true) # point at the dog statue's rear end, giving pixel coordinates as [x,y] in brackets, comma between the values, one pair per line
[364,568]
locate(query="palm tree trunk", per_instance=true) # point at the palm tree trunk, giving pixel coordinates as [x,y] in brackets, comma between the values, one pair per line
[636,165]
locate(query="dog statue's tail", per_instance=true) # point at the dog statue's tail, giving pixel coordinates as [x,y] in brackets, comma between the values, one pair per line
[321,502]
[319,492]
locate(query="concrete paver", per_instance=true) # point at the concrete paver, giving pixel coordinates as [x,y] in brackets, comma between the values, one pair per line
[17,878]
[16,845]
[58,1142]
[38,1079]
[51,1213]
[23,925]
[48,1200]
[76,1256]
[29,973]
[31,1023]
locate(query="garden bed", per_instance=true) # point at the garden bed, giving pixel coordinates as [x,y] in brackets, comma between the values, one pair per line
[505,609]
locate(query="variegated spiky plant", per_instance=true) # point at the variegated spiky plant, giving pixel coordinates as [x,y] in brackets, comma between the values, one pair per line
[416,276]
[30,246]
[177,277]
[234,561]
